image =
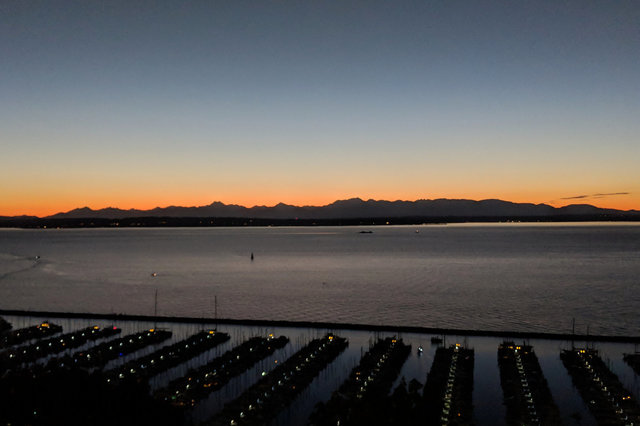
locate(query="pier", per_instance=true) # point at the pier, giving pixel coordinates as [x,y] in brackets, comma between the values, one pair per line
[169,356]
[526,393]
[264,400]
[449,386]
[99,355]
[197,384]
[221,387]
[363,397]
[22,335]
[608,400]
[25,354]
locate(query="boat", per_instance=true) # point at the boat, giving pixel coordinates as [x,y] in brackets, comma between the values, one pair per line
[420,350]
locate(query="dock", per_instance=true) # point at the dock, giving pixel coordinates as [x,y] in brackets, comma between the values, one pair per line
[263,401]
[13,357]
[161,360]
[526,394]
[22,335]
[363,397]
[609,402]
[449,387]
[200,382]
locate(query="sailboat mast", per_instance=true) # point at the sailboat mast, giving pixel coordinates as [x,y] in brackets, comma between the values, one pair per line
[155,311]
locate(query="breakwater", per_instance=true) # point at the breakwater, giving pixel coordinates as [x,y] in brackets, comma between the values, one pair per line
[330,326]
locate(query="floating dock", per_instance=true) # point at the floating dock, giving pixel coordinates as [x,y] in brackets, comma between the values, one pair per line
[163,359]
[526,393]
[22,335]
[99,355]
[26,354]
[449,387]
[259,404]
[55,381]
[609,402]
[363,397]
[198,383]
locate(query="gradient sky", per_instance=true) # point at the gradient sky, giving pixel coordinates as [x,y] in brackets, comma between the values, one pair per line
[137,104]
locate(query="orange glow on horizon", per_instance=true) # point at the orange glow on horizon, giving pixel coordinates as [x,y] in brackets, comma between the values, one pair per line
[47,206]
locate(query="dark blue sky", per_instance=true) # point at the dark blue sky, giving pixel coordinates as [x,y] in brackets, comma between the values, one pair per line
[306,102]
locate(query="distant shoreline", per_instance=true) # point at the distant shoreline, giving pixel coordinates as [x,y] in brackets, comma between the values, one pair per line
[328,325]
[173,222]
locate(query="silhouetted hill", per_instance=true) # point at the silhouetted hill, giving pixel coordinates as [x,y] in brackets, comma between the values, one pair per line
[23,217]
[354,208]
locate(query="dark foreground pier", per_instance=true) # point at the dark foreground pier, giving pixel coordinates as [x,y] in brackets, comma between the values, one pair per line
[190,371]
[363,397]
[526,393]
[608,400]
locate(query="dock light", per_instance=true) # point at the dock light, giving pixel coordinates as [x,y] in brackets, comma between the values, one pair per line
[95,327]
[211,332]
[152,330]
[330,338]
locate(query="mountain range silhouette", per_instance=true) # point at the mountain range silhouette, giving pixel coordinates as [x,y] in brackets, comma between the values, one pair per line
[355,208]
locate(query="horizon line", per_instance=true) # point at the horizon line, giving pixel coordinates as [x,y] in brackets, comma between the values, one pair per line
[548,203]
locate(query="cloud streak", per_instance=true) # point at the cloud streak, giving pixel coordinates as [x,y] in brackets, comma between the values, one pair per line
[609,194]
[575,197]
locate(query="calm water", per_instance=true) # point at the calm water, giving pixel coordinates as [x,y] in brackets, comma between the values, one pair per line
[514,277]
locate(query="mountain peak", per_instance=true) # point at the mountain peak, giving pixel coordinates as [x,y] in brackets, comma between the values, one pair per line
[355,208]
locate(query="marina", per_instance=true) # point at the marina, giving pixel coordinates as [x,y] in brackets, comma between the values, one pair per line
[216,380]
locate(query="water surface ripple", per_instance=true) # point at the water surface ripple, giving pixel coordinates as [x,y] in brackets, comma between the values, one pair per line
[498,277]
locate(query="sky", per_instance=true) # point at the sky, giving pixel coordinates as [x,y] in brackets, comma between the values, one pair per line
[157,103]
